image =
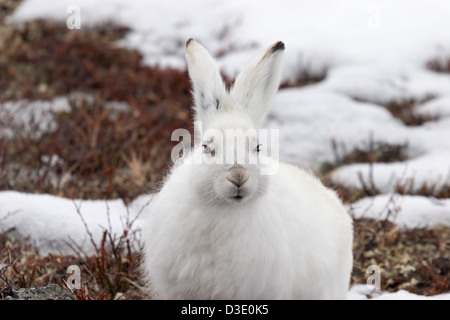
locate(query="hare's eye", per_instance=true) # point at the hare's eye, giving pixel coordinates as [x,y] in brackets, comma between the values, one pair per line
[207,149]
[258,147]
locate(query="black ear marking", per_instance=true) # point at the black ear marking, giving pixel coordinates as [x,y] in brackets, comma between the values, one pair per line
[278,46]
[203,103]
[206,103]
[208,89]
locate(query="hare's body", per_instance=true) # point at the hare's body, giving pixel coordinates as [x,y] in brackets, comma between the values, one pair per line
[279,247]
[253,229]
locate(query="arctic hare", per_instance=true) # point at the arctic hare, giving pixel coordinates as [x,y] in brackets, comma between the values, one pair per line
[221,230]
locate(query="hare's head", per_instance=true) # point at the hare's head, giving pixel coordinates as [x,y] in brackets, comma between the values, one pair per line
[230,121]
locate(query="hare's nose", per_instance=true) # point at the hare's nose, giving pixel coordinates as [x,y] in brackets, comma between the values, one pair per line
[237,176]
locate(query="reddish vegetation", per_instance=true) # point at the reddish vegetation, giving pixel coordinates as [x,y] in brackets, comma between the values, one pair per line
[99,145]
[439,65]
[406,112]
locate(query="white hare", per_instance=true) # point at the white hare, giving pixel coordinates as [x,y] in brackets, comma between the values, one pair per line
[226,231]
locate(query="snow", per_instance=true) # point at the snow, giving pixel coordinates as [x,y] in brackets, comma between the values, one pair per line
[17,115]
[373,53]
[53,223]
[430,169]
[362,292]
[405,211]
[326,32]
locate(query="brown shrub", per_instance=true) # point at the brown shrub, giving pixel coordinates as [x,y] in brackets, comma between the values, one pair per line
[107,153]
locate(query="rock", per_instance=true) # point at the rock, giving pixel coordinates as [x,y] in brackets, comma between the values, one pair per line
[50,292]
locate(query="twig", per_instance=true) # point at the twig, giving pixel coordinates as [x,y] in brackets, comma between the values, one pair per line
[76,248]
[91,237]
[9,214]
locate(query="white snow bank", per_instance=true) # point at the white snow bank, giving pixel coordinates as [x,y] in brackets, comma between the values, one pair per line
[30,117]
[363,292]
[432,169]
[310,118]
[439,106]
[50,222]
[405,211]
[387,83]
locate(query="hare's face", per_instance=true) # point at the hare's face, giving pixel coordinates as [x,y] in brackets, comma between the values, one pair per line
[231,164]
[232,161]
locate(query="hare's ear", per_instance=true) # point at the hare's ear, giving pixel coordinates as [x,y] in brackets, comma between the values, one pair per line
[255,87]
[208,87]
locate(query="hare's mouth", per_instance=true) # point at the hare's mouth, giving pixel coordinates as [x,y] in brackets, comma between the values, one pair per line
[238,197]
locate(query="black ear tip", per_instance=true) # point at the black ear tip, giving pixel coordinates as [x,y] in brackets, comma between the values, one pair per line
[189,41]
[278,46]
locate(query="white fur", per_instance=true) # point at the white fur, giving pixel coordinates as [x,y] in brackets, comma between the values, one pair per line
[289,237]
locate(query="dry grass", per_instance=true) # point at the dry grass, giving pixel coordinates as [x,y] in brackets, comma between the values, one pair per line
[113,142]
[304,77]
[441,65]
[416,260]
[101,148]
[112,272]
[406,112]
[439,191]
[371,152]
